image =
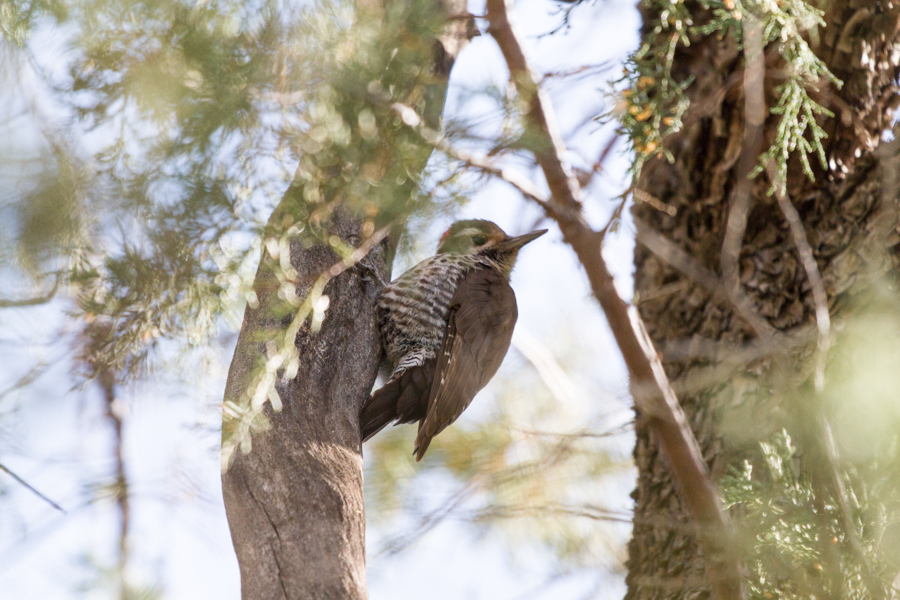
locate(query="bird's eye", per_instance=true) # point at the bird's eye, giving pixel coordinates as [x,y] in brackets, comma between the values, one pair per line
[478,240]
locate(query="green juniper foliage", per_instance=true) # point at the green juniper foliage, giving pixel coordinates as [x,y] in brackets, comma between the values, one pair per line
[801,538]
[799,548]
[653,103]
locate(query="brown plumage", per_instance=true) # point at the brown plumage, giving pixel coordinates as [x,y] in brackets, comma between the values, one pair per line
[446,325]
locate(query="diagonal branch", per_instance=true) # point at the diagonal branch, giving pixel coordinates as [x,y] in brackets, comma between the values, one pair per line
[656,243]
[676,257]
[30,488]
[651,389]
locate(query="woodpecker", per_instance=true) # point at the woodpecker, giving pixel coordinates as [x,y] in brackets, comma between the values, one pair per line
[445,327]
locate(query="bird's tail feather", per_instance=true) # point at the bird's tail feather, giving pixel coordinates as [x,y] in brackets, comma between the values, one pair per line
[422,442]
[403,398]
[380,409]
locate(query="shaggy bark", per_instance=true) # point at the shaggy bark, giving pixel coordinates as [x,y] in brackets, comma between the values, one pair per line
[850,218]
[295,501]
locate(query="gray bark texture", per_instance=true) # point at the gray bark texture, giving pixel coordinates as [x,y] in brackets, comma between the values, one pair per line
[850,215]
[295,501]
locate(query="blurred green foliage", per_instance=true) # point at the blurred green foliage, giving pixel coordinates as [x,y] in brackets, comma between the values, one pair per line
[802,538]
[196,115]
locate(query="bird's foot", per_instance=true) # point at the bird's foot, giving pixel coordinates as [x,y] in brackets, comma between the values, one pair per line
[369,274]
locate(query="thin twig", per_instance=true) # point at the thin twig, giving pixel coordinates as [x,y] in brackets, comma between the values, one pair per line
[42,299]
[654,202]
[31,488]
[808,260]
[580,435]
[557,381]
[651,389]
[25,380]
[585,511]
[360,253]
[524,185]
[98,334]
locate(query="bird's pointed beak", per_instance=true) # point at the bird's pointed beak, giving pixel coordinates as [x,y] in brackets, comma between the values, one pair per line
[517,242]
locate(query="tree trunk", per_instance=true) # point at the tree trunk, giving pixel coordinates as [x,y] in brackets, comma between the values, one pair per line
[295,500]
[848,213]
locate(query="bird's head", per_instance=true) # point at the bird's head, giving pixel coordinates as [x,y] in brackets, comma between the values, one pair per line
[486,238]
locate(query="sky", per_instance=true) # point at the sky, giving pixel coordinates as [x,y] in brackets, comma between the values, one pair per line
[53,435]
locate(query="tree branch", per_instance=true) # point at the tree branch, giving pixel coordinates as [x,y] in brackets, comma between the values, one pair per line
[736,225]
[652,392]
[31,489]
[683,262]
[43,299]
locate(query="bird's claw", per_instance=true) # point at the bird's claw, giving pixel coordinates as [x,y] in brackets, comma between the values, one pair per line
[370,274]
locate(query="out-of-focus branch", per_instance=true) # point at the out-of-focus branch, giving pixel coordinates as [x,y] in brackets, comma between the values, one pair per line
[824,436]
[98,335]
[31,489]
[736,225]
[240,421]
[755,113]
[652,392]
[524,185]
[808,260]
[36,300]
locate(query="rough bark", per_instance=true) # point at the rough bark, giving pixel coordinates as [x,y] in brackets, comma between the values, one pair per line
[849,214]
[295,501]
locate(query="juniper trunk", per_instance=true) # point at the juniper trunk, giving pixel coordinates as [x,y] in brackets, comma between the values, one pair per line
[850,217]
[295,500]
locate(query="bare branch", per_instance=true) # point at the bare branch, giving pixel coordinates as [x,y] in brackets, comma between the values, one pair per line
[683,262]
[736,226]
[652,393]
[560,385]
[808,260]
[31,489]
[97,336]
[585,511]
[654,202]
[412,119]
[42,299]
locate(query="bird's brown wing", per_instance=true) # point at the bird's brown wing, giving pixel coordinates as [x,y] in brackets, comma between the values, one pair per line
[479,328]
